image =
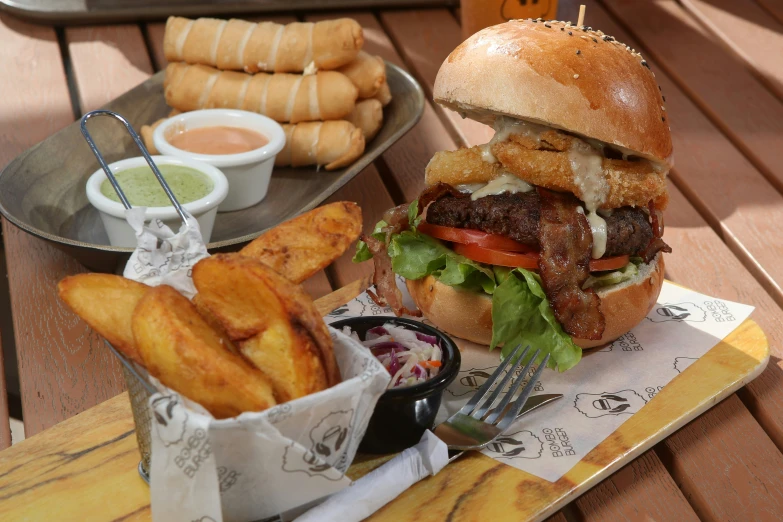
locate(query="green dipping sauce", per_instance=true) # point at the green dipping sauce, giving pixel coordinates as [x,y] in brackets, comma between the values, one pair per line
[142,189]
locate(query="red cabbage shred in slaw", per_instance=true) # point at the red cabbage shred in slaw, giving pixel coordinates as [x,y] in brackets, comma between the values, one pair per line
[410,357]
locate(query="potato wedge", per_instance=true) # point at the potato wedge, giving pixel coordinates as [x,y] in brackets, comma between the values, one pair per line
[106,303]
[272,321]
[308,243]
[180,349]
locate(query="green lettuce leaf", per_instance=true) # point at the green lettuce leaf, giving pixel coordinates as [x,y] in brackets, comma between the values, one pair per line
[521,315]
[362,252]
[520,309]
[416,255]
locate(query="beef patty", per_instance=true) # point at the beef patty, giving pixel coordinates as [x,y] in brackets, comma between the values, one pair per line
[517,216]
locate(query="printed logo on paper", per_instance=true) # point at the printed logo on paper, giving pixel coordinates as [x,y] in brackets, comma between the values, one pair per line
[626,343]
[470,380]
[518,445]
[678,312]
[327,454]
[595,405]
[227,478]
[205,518]
[171,419]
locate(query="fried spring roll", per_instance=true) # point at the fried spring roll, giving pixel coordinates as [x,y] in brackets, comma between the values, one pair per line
[367,116]
[327,95]
[384,94]
[244,46]
[367,72]
[331,143]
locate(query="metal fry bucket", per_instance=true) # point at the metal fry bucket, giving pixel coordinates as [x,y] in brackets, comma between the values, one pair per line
[139,387]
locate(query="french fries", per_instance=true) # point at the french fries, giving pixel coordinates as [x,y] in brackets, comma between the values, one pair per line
[251,337]
[302,246]
[179,348]
[272,321]
[106,303]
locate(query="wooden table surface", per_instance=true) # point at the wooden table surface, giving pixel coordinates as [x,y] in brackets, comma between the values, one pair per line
[719,64]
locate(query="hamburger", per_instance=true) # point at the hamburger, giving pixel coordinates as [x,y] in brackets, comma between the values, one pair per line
[550,235]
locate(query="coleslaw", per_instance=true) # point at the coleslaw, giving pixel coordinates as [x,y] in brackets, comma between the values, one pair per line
[410,357]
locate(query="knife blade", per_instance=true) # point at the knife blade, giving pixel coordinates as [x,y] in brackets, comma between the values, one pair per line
[532,403]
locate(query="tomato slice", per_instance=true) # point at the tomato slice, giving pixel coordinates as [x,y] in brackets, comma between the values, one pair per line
[528,260]
[468,236]
[497,257]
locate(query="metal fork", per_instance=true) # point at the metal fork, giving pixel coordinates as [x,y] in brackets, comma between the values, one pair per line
[478,423]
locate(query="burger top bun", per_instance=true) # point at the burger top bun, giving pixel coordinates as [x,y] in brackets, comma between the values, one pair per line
[468,315]
[565,77]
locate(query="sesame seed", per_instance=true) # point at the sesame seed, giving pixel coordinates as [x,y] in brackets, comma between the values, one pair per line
[663,118]
[583,37]
[578,51]
[664,98]
[644,63]
[659,88]
[576,76]
[663,108]
[547,25]
[570,33]
[535,21]
[594,40]
[562,28]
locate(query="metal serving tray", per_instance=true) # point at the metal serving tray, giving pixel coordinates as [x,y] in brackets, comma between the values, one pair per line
[42,191]
[61,12]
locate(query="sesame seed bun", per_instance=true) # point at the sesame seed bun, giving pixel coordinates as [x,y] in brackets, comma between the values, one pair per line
[468,315]
[576,80]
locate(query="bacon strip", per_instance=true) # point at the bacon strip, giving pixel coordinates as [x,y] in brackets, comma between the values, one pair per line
[383,279]
[656,245]
[656,217]
[566,245]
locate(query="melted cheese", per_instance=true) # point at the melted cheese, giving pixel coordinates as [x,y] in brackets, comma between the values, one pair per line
[586,164]
[598,228]
[505,183]
[505,127]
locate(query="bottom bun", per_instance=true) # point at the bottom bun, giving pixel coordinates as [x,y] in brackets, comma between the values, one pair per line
[468,315]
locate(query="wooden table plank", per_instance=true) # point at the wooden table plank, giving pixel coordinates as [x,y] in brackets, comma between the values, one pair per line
[642,490]
[106,478]
[746,29]
[58,356]
[773,7]
[5,423]
[106,62]
[747,489]
[724,89]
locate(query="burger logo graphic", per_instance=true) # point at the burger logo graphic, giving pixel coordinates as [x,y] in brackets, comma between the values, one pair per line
[678,312]
[595,405]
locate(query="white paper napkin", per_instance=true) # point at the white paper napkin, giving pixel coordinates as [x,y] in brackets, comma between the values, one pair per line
[382,485]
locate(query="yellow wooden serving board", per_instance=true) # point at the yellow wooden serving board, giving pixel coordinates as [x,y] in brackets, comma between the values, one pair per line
[85,468]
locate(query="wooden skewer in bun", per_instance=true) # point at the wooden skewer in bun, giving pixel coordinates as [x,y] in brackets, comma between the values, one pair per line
[367,72]
[326,95]
[331,143]
[244,46]
[367,116]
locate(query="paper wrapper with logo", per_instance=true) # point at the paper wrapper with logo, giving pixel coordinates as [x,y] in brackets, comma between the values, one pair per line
[258,464]
[606,388]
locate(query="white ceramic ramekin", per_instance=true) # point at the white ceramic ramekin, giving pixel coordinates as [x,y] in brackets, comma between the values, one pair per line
[248,173]
[113,213]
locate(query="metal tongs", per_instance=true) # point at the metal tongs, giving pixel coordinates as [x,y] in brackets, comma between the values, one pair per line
[102,112]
